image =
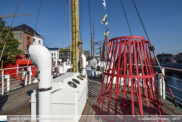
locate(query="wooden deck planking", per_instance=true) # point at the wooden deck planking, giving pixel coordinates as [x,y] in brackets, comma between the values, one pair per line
[17,103]
[94,87]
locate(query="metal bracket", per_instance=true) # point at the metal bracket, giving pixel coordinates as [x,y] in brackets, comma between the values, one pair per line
[44,89]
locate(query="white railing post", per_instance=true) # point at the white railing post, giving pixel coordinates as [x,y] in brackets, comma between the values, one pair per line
[163,84]
[2,81]
[25,75]
[8,83]
[30,74]
[160,83]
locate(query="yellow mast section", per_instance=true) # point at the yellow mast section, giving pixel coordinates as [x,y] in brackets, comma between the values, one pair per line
[75,34]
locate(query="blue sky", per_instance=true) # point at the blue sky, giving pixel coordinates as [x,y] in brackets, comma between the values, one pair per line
[162,20]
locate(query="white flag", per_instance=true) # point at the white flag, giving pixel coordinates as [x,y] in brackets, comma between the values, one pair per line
[102,22]
[104,3]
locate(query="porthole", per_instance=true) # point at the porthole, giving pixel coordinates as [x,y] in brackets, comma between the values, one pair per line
[79,77]
[76,81]
[72,84]
[82,76]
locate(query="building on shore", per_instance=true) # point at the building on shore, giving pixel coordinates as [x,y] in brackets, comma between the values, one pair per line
[86,53]
[178,56]
[54,52]
[64,55]
[26,36]
[166,58]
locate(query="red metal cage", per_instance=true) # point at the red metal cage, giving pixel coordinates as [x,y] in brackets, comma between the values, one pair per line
[128,81]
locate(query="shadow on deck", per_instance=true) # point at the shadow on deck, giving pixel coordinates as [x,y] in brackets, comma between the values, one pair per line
[17,102]
[94,87]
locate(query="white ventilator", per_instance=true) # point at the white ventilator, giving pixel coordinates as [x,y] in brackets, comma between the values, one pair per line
[83,65]
[65,95]
[41,57]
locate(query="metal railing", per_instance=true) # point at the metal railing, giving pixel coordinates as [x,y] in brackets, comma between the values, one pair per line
[10,81]
[163,91]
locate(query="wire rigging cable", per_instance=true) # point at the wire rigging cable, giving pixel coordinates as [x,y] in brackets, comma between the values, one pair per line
[38,16]
[65,23]
[65,27]
[36,25]
[81,21]
[6,38]
[126,17]
[14,16]
[140,20]
[70,31]
[90,27]
[89,15]
[152,49]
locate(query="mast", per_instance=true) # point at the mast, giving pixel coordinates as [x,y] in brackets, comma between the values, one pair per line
[75,34]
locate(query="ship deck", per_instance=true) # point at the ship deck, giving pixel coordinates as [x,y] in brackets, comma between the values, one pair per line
[17,102]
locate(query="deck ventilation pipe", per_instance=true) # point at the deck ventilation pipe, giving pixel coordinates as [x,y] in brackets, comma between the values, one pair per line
[41,57]
[83,65]
[128,81]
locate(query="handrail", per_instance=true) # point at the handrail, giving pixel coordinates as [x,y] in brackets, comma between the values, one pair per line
[173,87]
[173,78]
[170,68]
[17,67]
[175,96]
[162,84]
[13,83]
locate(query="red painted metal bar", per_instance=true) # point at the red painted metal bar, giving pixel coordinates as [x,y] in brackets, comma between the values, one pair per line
[128,71]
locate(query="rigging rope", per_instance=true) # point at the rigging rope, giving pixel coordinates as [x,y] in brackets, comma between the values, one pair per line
[90,24]
[89,15]
[70,32]
[152,49]
[38,16]
[126,17]
[65,27]
[14,16]
[107,30]
[81,21]
[140,20]
[35,28]
[6,38]
[65,23]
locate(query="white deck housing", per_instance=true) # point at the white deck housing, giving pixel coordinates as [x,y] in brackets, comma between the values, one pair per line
[65,99]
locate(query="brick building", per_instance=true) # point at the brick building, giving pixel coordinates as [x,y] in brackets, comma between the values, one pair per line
[26,36]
